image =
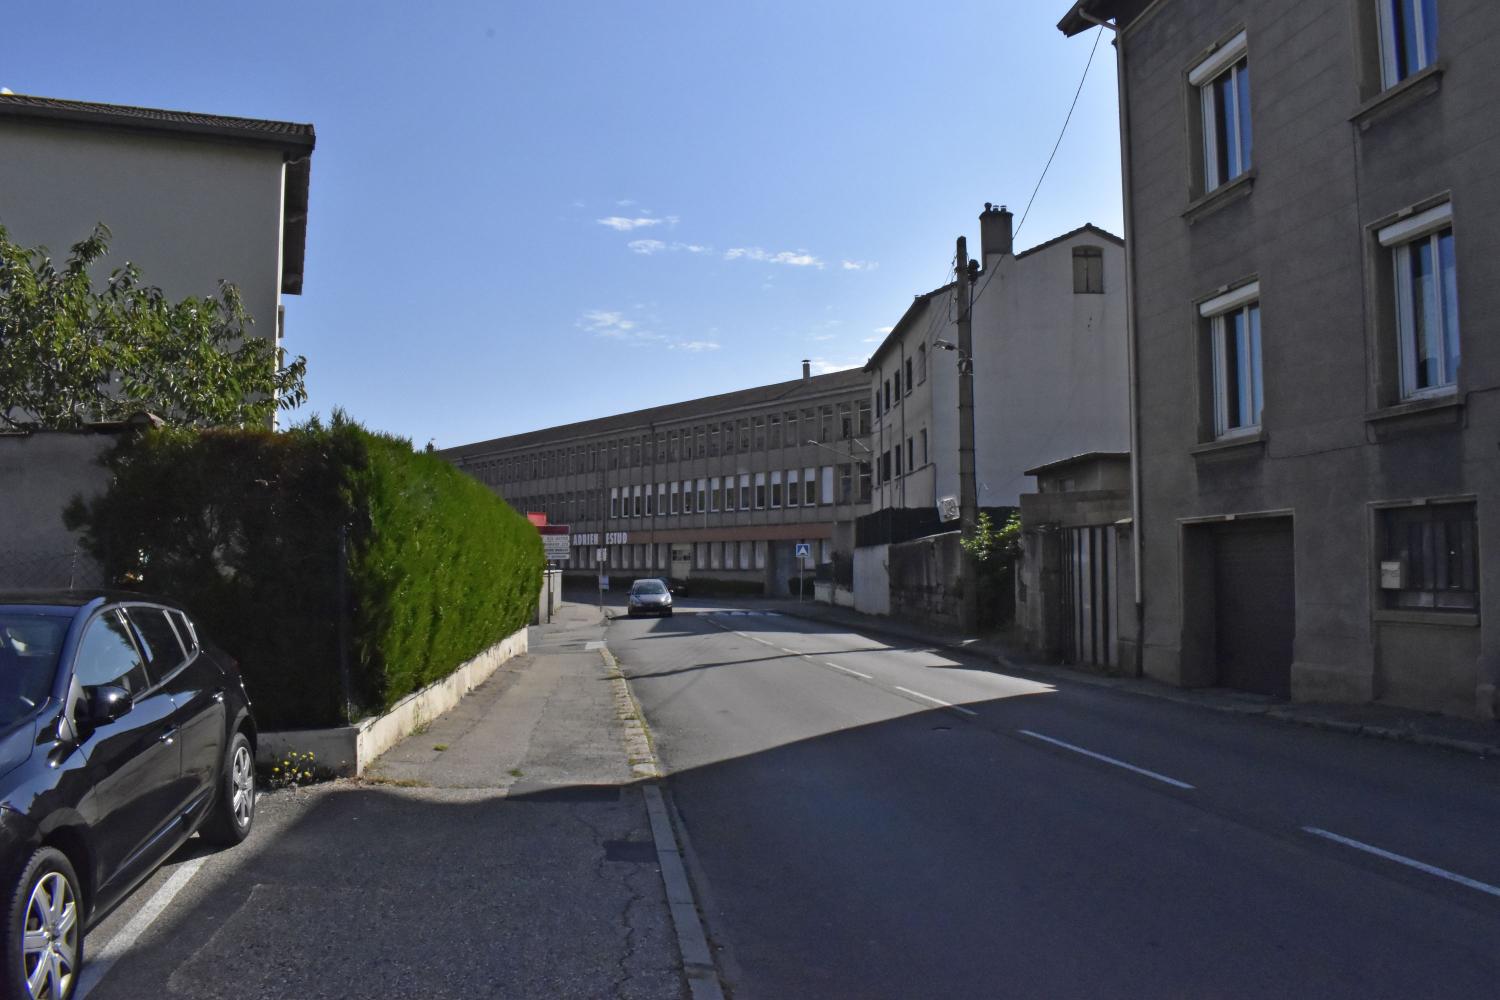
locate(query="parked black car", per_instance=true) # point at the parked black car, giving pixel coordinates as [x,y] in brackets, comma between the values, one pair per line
[122,731]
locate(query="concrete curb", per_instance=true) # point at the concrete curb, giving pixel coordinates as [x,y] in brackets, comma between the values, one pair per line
[692,941]
[1278,712]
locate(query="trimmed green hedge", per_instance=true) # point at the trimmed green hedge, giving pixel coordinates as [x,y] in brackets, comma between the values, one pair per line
[244,528]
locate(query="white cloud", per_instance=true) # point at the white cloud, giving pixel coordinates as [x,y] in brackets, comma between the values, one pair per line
[824,336]
[792,258]
[649,247]
[822,366]
[883,330]
[602,322]
[621,224]
[625,202]
[695,345]
[860,265]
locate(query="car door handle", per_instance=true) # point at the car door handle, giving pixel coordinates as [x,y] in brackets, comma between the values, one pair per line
[219,695]
[169,737]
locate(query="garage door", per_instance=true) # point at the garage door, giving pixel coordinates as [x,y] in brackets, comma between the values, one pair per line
[1254,605]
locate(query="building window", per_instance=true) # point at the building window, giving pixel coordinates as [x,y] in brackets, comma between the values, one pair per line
[713,441]
[776,490]
[825,424]
[648,502]
[924,446]
[760,434]
[676,506]
[809,490]
[888,395]
[1223,82]
[1088,271]
[637,499]
[911,454]
[744,492]
[792,489]
[1430,558]
[885,466]
[846,483]
[921,363]
[846,421]
[864,418]
[614,501]
[1426,290]
[898,386]
[1408,38]
[1234,342]
[792,440]
[702,495]
[760,491]
[774,433]
[713,495]
[897,451]
[878,410]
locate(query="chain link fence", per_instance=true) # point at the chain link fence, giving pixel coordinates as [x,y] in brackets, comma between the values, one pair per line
[73,569]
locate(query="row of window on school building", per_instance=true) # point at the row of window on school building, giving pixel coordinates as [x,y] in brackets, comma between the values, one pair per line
[784,429]
[657,557]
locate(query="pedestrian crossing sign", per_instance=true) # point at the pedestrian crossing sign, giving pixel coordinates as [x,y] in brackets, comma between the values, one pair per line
[804,549]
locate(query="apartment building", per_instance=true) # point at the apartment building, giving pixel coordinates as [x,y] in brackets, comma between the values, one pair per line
[718,490]
[1311,203]
[190,198]
[1050,382]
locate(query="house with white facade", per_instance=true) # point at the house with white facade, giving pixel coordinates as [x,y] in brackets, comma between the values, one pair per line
[1050,382]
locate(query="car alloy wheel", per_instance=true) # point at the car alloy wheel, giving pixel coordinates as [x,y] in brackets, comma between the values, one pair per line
[242,781]
[49,938]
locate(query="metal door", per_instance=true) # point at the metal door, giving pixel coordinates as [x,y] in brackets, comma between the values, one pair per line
[1254,605]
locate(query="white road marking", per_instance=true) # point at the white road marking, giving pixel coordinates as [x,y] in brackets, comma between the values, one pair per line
[116,947]
[938,701]
[846,670]
[1108,760]
[1402,859]
[592,645]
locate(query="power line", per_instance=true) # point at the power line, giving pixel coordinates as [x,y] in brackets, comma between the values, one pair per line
[1098,33]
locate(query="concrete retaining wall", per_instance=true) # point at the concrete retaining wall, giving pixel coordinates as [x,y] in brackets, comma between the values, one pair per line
[872,586]
[348,750]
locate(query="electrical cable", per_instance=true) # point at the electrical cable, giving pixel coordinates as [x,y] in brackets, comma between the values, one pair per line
[1098,33]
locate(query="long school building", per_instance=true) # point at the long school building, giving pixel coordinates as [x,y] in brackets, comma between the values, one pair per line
[718,490]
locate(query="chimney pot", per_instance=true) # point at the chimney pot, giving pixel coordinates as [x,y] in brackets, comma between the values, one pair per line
[806,369]
[995,234]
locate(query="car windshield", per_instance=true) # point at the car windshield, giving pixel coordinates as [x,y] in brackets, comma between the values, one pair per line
[30,643]
[649,587]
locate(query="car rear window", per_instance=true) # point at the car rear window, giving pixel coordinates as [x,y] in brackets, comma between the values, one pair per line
[650,587]
[158,640]
[30,644]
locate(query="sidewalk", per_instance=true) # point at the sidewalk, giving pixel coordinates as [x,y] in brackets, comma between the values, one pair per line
[1378,721]
[506,850]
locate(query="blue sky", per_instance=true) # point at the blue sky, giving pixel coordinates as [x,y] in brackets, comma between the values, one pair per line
[529,213]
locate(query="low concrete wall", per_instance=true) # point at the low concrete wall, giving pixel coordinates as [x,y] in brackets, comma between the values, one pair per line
[843,597]
[40,474]
[348,750]
[823,591]
[925,576]
[872,582]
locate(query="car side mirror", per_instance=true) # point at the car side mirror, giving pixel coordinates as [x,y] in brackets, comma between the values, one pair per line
[107,703]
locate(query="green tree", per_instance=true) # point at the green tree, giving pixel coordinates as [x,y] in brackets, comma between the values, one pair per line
[71,355]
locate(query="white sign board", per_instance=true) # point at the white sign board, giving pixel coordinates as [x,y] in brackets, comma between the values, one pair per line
[804,550]
[557,547]
[1391,575]
[603,583]
[948,509]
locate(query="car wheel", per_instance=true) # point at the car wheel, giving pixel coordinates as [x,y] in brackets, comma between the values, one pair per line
[233,811]
[44,930]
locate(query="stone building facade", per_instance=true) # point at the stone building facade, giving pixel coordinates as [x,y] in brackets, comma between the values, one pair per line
[1315,357]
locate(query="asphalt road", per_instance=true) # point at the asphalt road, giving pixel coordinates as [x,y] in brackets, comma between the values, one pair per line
[850,836]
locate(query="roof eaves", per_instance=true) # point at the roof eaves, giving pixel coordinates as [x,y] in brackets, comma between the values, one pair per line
[903,324]
[1090,456]
[1087,227]
[1074,23]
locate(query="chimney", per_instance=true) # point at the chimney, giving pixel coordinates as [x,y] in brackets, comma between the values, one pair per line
[994,232]
[806,369]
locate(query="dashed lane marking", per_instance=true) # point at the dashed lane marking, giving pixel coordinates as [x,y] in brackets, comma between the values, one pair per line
[1402,859]
[1108,760]
[846,670]
[937,701]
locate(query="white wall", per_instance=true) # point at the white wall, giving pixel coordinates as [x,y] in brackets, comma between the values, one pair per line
[186,211]
[872,587]
[1050,378]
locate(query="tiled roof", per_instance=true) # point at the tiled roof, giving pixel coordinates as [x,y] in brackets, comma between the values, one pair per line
[291,135]
[672,413]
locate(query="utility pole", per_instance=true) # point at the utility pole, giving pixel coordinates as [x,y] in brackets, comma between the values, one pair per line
[968,499]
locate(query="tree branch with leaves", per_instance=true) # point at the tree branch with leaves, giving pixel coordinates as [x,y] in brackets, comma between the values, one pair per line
[71,355]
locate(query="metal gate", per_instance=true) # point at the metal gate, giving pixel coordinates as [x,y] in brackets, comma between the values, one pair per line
[1255,606]
[1089,624]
